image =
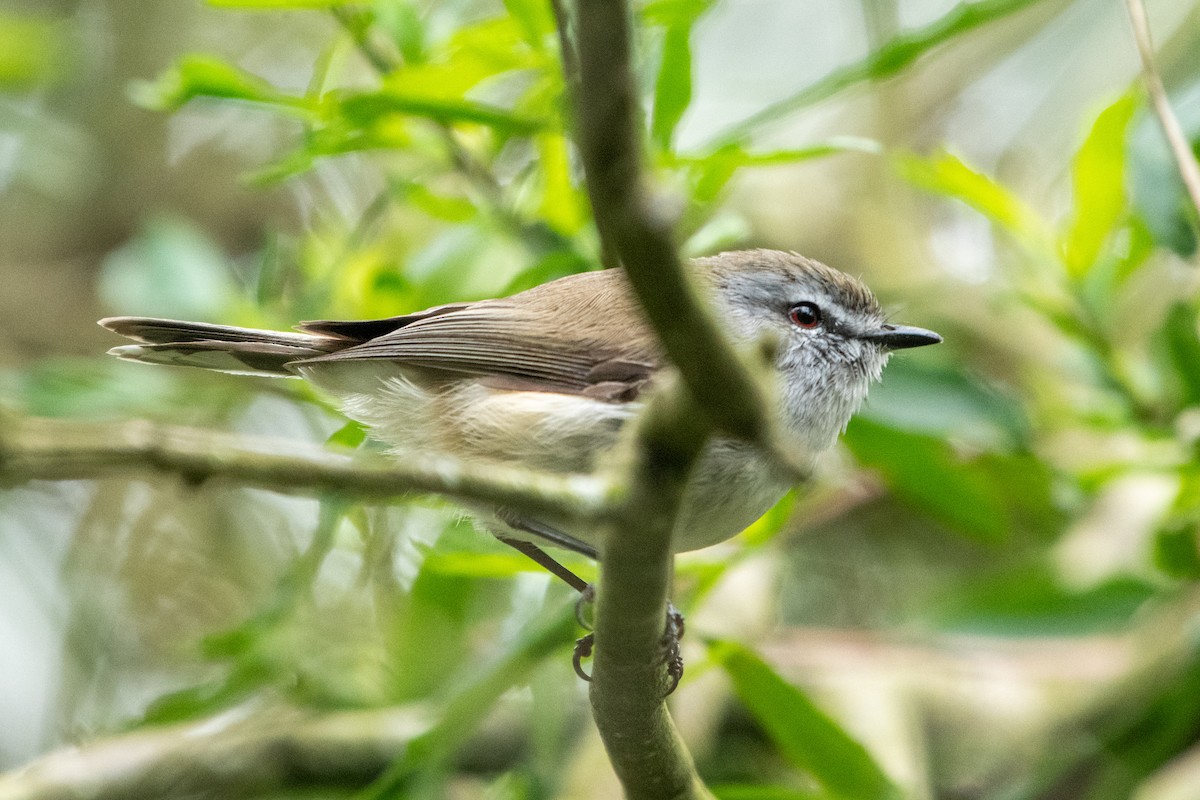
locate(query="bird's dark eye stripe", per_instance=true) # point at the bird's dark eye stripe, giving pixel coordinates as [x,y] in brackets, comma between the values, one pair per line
[805,315]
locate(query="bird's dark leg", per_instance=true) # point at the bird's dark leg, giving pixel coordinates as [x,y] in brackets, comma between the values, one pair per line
[672,631]
[583,645]
[546,533]
[547,562]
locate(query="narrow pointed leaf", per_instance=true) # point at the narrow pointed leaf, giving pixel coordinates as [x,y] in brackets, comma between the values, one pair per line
[805,735]
[673,89]
[947,175]
[254,5]
[892,57]
[203,76]
[1183,343]
[1098,178]
[365,108]
[673,85]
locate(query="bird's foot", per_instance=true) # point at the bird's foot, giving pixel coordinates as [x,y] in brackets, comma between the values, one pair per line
[584,644]
[672,656]
[673,632]
[583,649]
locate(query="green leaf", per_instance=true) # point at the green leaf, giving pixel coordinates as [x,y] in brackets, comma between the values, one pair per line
[470,704]
[350,436]
[439,206]
[806,736]
[334,139]
[31,49]
[369,107]
[945,174]
[892,57]
[673,89]
[925,472]
[758,792]
[472,564]
[1031,601]
[1177,551]
[673,84]
[486,50]
[712,172]
[401,19]
[279,4]
[475,564]
[471,79]
[946,402]
[563,204]
[1183,345]
[207,698]
[534,17]
[200,76]
[1098,180]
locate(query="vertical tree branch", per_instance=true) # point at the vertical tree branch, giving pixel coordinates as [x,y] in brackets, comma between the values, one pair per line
[637,226]
[1181,149]
[628,683]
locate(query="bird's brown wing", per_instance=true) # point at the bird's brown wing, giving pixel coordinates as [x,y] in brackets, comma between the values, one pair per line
[600,346]
[363,330]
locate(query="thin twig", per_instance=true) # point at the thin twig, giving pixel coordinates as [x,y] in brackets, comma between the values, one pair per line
[570,66]
[43,449]
[570,60]
[1181,149]
[379,61]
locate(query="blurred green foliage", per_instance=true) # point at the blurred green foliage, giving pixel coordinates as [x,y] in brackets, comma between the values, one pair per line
[806,737]
[32,49]
[982,490]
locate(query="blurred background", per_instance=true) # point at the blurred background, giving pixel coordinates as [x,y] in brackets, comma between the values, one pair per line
[991,587]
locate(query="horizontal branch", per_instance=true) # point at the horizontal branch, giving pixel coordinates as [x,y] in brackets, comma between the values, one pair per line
[45,449]
[234,754]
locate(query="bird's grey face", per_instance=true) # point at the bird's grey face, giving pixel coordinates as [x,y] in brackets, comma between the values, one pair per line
[831,335]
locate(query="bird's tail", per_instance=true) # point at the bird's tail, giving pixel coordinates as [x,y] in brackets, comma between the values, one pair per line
[223,348]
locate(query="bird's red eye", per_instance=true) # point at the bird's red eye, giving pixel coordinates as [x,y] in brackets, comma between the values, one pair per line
[805,315]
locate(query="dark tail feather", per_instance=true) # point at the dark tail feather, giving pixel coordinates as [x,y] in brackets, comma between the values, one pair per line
[223,348]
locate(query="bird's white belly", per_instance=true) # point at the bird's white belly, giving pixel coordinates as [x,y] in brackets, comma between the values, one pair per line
[732,485]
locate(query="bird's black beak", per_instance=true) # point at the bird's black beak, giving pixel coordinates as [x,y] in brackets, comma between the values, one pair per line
[900,337]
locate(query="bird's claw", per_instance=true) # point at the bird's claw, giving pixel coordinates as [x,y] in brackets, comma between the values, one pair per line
[672,656]
[586,597]
[673,632]
[583,649]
